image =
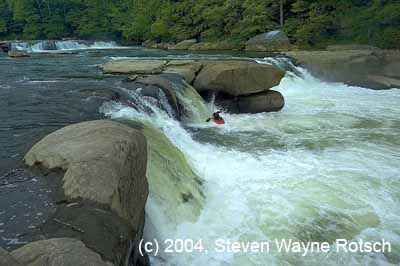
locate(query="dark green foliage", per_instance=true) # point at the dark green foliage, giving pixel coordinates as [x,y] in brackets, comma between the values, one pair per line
[309,23]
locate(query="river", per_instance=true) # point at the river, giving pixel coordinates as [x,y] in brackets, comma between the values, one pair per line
[325,167]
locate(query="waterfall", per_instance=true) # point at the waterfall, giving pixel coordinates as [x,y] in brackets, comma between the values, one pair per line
[69,45]
[326,167]
[48,45]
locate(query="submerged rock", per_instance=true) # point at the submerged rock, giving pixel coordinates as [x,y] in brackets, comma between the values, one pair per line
[272,41]
[57,252]
[237,77]
[18,54]
[173,184]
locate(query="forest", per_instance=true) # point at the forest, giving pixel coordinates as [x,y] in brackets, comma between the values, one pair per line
[308,23]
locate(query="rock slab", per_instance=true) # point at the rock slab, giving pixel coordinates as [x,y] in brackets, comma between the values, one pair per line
[235,77]
[58,252]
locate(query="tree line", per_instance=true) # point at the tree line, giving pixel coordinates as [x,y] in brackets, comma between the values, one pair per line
[308,23]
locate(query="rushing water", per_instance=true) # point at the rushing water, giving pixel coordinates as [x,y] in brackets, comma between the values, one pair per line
[325,167]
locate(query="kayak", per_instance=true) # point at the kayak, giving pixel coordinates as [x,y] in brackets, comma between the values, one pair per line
[219,121]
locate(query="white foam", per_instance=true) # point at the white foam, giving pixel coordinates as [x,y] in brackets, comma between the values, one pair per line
[329,158]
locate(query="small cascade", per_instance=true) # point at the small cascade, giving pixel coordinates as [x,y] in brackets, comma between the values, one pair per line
[69,45]
[49,45]
[21,46]
[196,110]
[173,183]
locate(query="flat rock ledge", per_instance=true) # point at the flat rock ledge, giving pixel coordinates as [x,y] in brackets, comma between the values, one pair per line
[226,79]
[101,195]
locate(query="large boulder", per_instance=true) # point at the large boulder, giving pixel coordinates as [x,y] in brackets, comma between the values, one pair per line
[57,252]
[367,67]
[103,186]
[184,45]
[272,41]
[268,101]
[6,259]
[133,67]
[237,77]
[105,162]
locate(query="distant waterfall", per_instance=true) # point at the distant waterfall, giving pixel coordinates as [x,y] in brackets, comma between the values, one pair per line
[48,45]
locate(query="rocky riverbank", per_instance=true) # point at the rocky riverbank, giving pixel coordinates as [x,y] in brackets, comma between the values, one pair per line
[363,66]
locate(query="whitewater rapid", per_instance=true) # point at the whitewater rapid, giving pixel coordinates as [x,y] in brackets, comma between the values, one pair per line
[325,167]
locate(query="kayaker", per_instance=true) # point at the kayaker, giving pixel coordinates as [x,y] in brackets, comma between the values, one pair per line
[216,118]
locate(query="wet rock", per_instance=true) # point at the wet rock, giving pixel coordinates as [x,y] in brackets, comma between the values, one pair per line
[158,83]
[18,54]
[171,177]
[56,252]
[268,101]
[367,67]
[272,41]
[237,77]
[6,259]
[133,67]
[100,228]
